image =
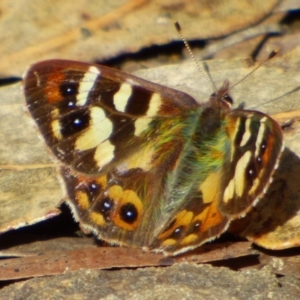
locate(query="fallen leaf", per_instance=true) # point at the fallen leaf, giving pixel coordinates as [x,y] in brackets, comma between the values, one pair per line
[98,30]
[58,262]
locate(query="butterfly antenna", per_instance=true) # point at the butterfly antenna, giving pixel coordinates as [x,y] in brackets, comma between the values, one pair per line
[272,54]
[178,28]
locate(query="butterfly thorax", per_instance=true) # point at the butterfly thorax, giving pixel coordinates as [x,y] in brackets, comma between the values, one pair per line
[203,143]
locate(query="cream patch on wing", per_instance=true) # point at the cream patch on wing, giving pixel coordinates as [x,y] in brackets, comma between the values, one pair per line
[142,123]
[99,130]
[141,159]
[260,136]
[104,153]
[86,84]
[247,133]
[236,185]
[210,187]
[122,96]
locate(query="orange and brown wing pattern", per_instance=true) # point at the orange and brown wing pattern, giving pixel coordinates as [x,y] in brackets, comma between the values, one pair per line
[199,220]
[145,165]
[256,145]
[90,115]
[107,205]
[232,169]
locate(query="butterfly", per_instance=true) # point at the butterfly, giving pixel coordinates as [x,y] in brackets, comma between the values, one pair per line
[147,166]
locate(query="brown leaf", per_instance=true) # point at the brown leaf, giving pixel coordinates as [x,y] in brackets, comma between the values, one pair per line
[52,262]
[25,247]
[89,30]
[29,189]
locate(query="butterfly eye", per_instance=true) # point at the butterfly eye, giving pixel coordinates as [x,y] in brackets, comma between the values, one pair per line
[227,99]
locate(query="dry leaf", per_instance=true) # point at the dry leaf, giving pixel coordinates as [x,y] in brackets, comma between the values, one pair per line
[101,30]
[29,189]
[51,262]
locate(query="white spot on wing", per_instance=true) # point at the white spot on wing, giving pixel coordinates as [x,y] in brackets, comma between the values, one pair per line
[122,96]
[100,128]
[86,84]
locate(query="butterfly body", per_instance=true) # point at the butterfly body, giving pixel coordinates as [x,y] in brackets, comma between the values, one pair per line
[147,166]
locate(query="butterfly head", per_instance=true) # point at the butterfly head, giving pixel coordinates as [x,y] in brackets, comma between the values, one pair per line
[221,96]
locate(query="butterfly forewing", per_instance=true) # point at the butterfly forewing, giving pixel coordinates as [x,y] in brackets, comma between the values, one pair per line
[91,115]
[145,165]
[256,144]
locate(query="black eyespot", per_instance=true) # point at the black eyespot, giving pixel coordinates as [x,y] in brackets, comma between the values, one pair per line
[263,147]
[105,207]
[94,189]
[74,122]
[107,204]
[196,226]
[128,213]
[71,104]
[68,89]
[262,150]
[177,233]
[258,159]
[251,173]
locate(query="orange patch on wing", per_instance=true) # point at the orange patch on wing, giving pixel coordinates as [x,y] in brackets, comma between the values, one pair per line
[231,125]
[97,219]
[122,197]
[183,218]
[168,242]
[51,90]
[210,217]
[190,239]
[82,200]
[102,181]
[270,148]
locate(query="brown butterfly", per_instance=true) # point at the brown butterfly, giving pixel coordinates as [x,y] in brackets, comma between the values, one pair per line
[145,165]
